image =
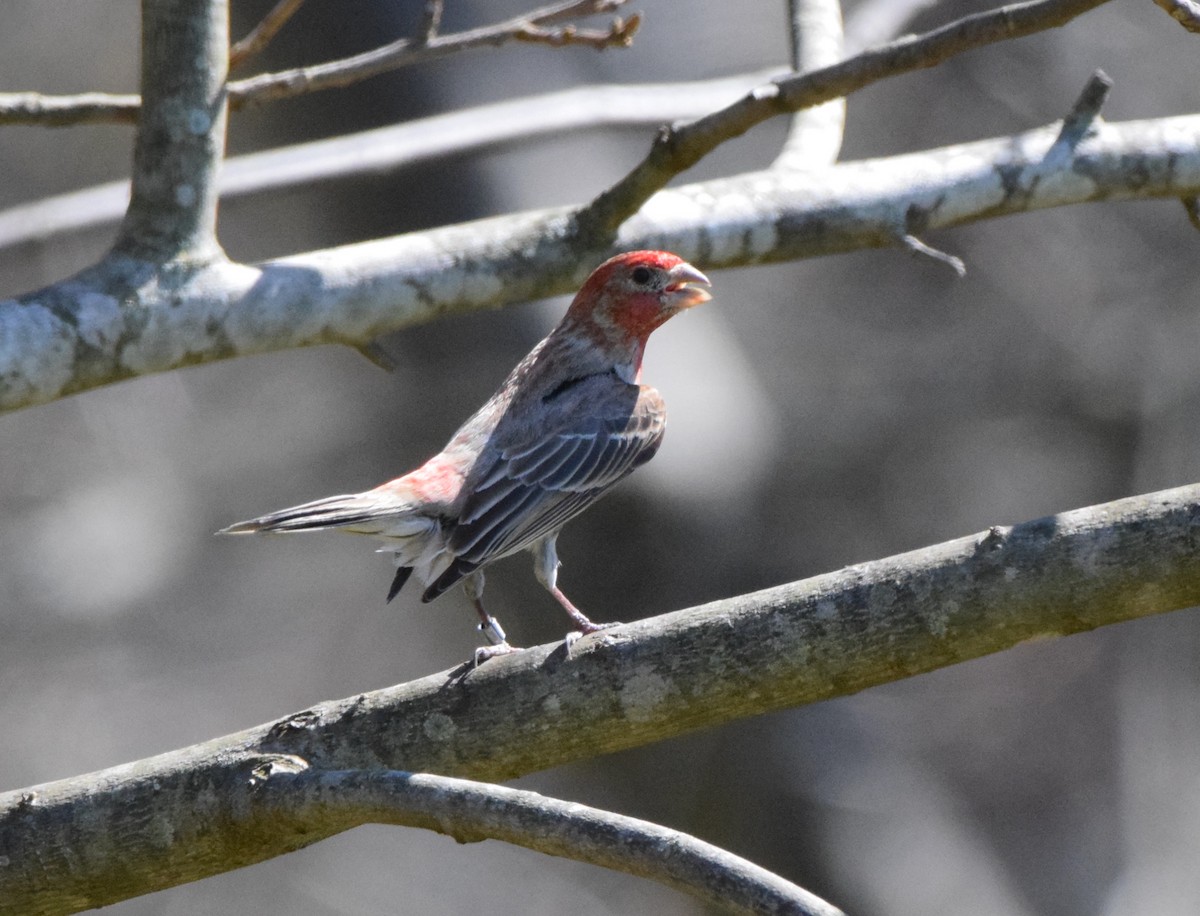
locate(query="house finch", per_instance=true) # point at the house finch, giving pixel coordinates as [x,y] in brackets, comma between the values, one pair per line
[569,422]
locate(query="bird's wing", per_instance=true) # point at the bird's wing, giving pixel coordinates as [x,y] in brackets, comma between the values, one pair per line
[531,484]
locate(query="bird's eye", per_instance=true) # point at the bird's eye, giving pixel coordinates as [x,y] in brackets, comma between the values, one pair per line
[641,275]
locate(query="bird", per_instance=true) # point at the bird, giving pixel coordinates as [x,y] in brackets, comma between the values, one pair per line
[570,421]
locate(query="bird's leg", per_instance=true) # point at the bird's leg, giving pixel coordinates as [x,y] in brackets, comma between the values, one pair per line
[545,567]
[489,626]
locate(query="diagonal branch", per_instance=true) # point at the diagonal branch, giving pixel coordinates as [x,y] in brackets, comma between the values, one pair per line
[1185,12]
[470,811]
[260,36]
[677,149]
[829,636]
[83,332]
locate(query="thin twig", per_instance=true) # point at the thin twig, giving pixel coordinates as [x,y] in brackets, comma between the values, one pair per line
[470,811]
[406,52]
[1085,112]
[677,149]
[260,36]
[66,110]
[431,20]
[917,247]
[619,34]
[1185,12]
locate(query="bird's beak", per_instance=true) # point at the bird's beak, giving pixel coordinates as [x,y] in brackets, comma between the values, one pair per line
[686,286]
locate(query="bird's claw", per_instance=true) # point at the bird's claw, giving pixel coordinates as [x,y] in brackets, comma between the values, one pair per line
[575,635]
[483,653]
[497,639]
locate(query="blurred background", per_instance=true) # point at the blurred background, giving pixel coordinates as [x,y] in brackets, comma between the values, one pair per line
[822,413]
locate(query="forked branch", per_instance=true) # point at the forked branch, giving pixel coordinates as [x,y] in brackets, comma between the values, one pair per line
[677,149]
[260,36]
[829,636]
[548,25]
[536,26]
[472,811]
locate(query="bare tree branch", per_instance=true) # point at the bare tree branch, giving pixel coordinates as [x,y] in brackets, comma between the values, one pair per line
[619,34]
[79,333]
[409,51]
[677,149]
[172,210]
[431,19]
[260,36]
[471,811]
[1185,12]
[167,297]
[815,135]
[397,146]
[916,246]
[68,110]
[1085,113]
[129,830]
[534,26]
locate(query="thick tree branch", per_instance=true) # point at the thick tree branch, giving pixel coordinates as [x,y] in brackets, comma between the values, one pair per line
[1185,12]
[106,836]
[181,134]
[677,149]
[301,799]
[79,333]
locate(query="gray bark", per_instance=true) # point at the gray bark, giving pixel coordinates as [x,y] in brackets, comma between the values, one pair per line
[129,830]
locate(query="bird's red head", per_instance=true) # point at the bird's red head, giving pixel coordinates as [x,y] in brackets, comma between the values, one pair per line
[630,295]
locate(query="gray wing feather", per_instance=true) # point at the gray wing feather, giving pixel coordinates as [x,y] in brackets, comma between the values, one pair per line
[531,489]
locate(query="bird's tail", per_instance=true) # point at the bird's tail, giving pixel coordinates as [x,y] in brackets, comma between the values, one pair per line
[361,513]
[410,535]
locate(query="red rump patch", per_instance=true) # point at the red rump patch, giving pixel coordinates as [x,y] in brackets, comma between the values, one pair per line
[438,480]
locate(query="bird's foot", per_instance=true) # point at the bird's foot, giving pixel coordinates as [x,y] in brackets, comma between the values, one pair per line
[586,630]
[597,627]
[483,653]
[496,637]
